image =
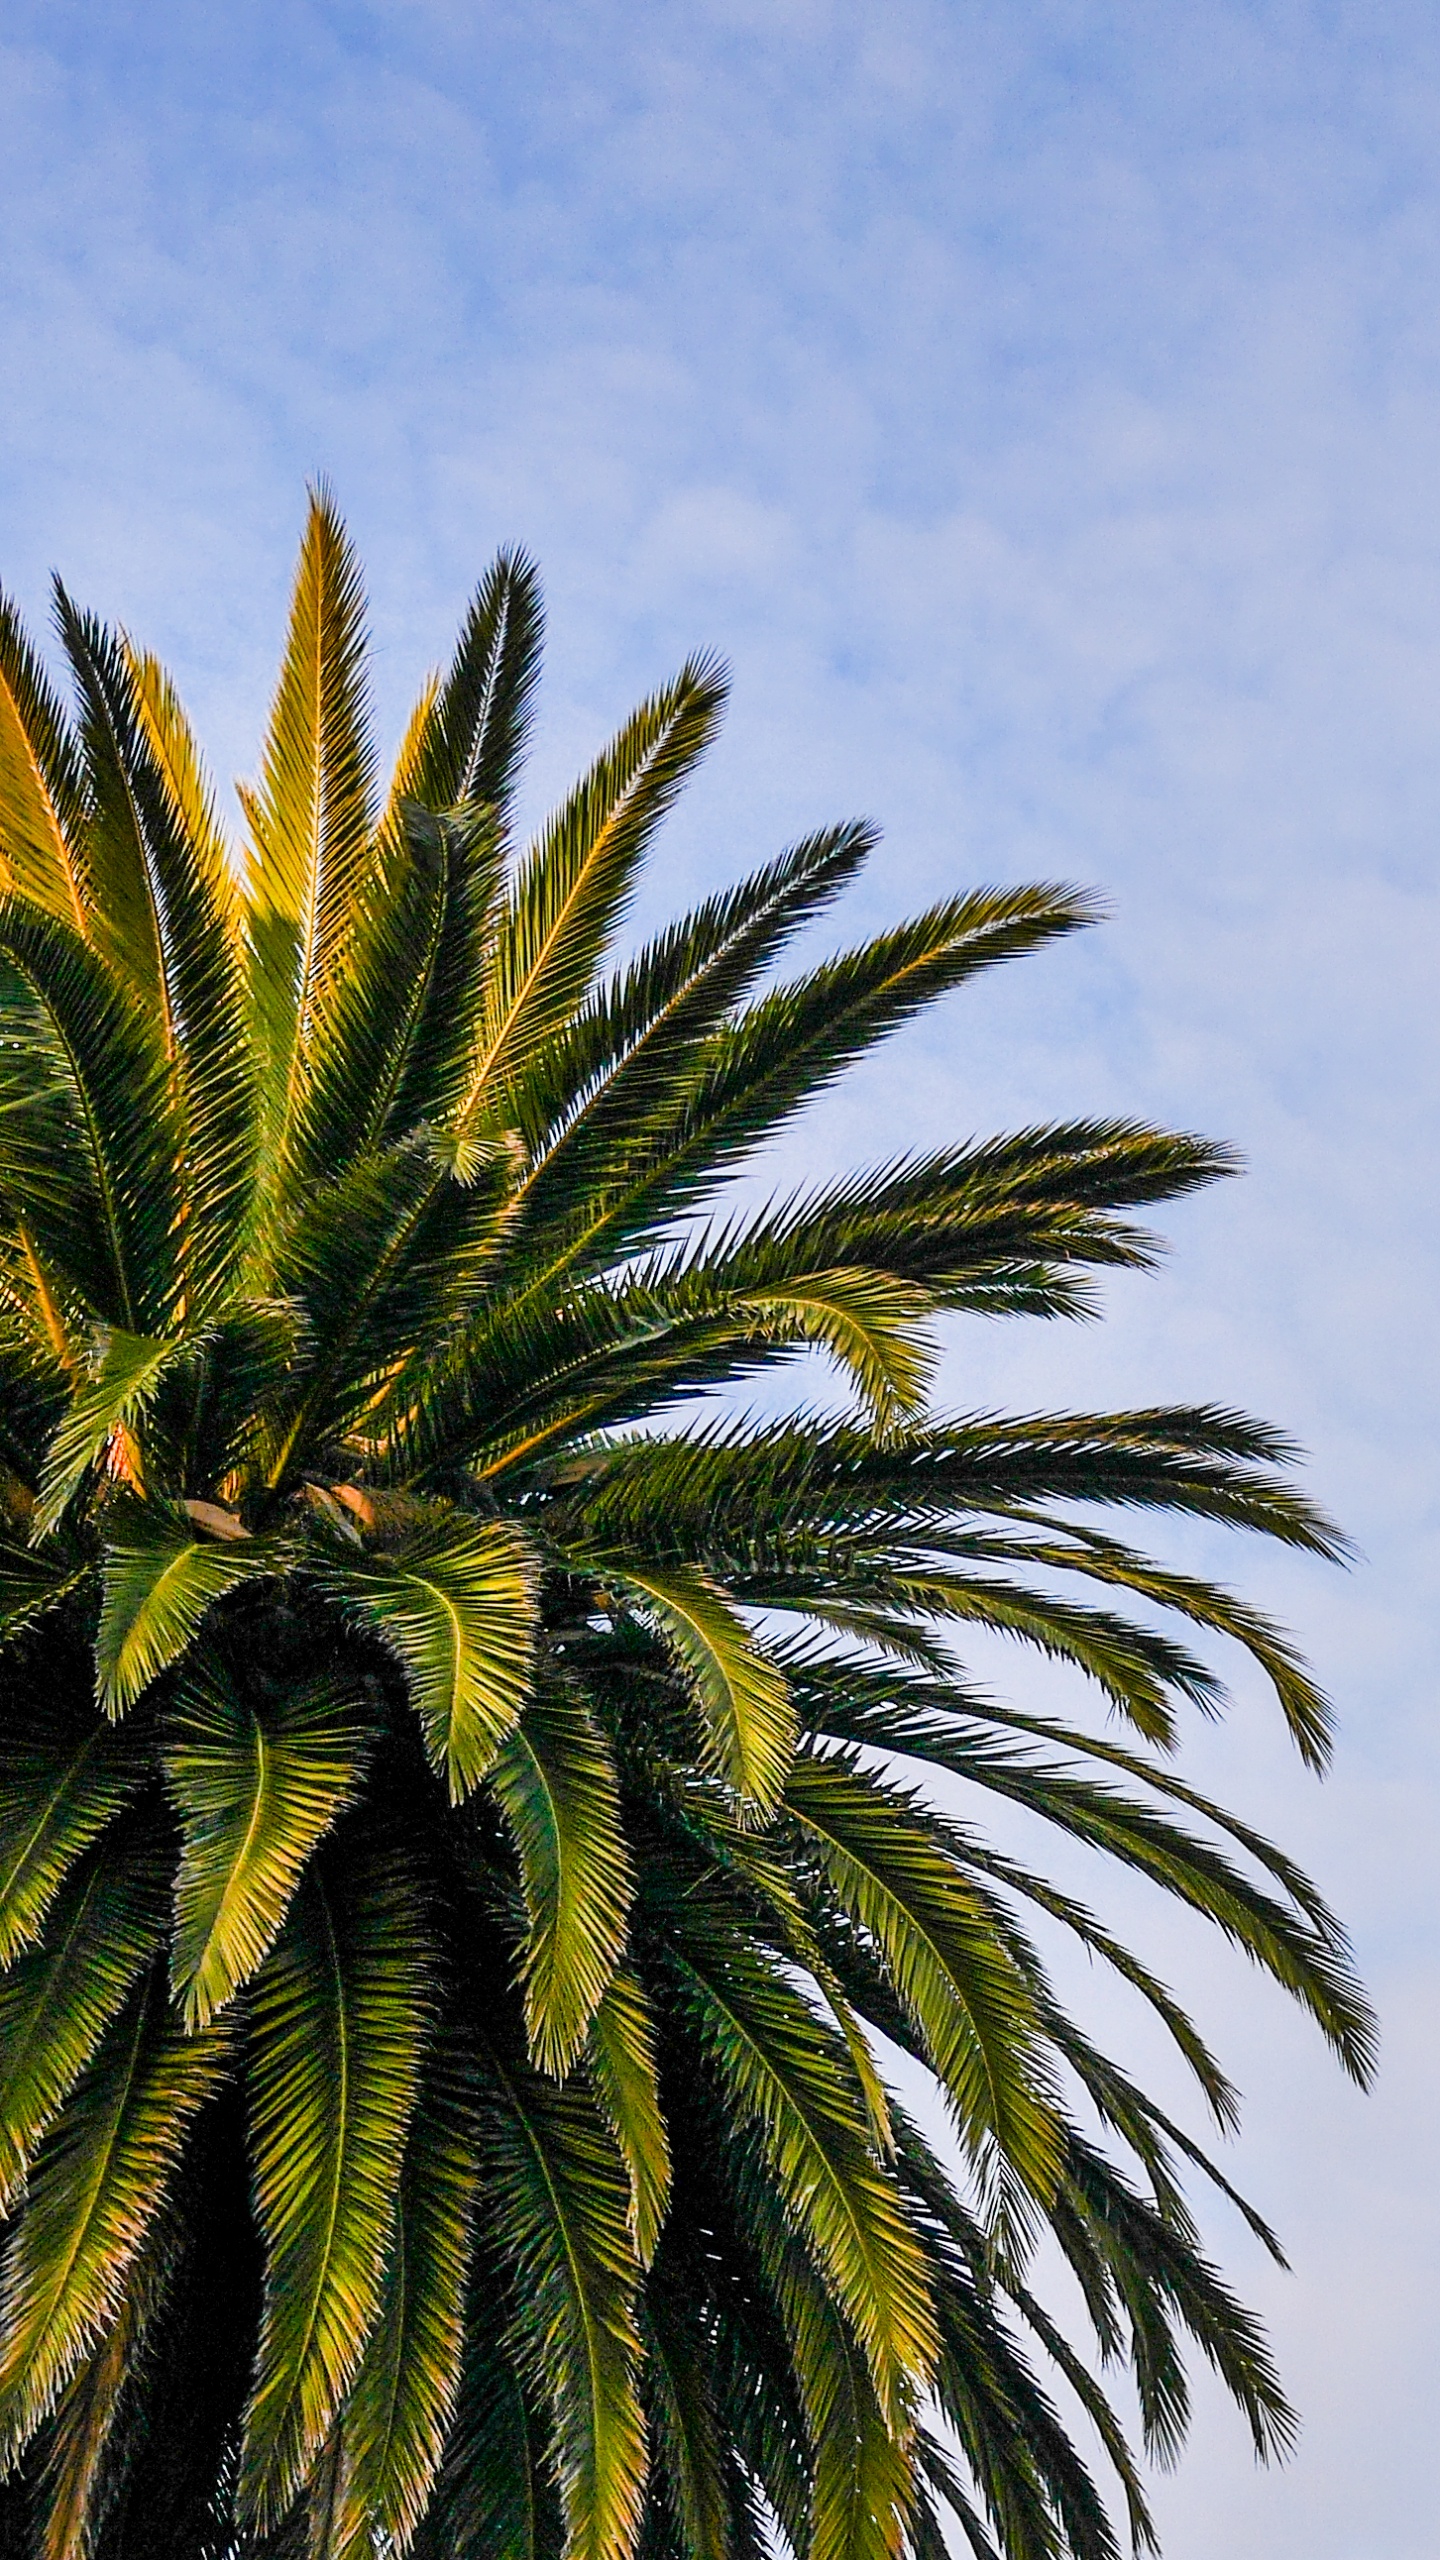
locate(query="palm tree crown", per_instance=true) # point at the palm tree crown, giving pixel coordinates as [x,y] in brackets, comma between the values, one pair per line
[458,1871]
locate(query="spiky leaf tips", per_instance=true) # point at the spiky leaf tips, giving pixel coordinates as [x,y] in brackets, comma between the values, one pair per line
[465,1842]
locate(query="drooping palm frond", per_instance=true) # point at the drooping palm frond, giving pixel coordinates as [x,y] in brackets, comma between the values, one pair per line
[466,1855]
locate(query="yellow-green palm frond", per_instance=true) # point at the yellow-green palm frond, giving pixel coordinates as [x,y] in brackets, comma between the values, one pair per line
[555,1783]
[342,2011]
[41,785]
[255,1784]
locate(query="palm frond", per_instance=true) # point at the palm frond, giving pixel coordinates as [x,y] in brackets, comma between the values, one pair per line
[689,2469]
[311,816]
[41,785]
[130,1146]
[163,914]
[31,1584]
[572,890]
[58,1999]
[402,2401]
[861,2479]
[969,1999]
[173,744]
[495,2499]
[555,1783]
[621,2055]
[85,2458]
[342,2009]
[560,2215]
[743,1695]
[591,1095]
[64,1776]
[456,1606]
[401,1031]
[105,1408]
[163,902]
[256,1783]
[793,2083]
[159,1585]
[470,742]
[100,2178]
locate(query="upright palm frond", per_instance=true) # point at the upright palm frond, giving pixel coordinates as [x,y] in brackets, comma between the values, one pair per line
[41,787]
[311,814]
[468,1858]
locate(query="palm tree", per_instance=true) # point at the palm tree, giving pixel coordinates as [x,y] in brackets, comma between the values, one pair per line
[457,1869]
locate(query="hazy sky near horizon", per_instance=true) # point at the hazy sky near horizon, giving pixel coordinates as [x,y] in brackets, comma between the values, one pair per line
[1038,406]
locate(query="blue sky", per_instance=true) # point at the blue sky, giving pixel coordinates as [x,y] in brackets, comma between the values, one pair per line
[1038,406]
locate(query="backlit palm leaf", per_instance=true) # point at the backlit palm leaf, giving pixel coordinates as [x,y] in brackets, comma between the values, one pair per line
[621,2055]
[256,1783]
[57,2001]
[93,2192]
[573,887]
[162,911]
[560,2214]
[159,1587]
[342,2011]
[967,1996]
[456,1607]
[403,2400]
[555,1783]
[40,784]
[741,1692]
[311,814]
[128,1138]
[63,1779]
[474,732]
[785,2076]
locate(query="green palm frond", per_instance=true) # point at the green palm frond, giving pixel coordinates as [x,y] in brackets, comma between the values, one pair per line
[163,913]
[85,2459]
[625,1061]
[555,1783]
[861,2480]
[572,889]
[792,2082]
[456,1606]
[30,1584]
[41,788]
[127,1176]
[256,1783]
[93,2192]
[176,752]
[312,812]
[685,2424]
[743,1695]
[622,2062]
[495,2498]
[872,1323]
[160,1584]
[407,1012]
[57,2001]
[104,1411]
[473,732]
[342,2008]
[64,1776]
[969,2000]
[399,2411]
[560,2214]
